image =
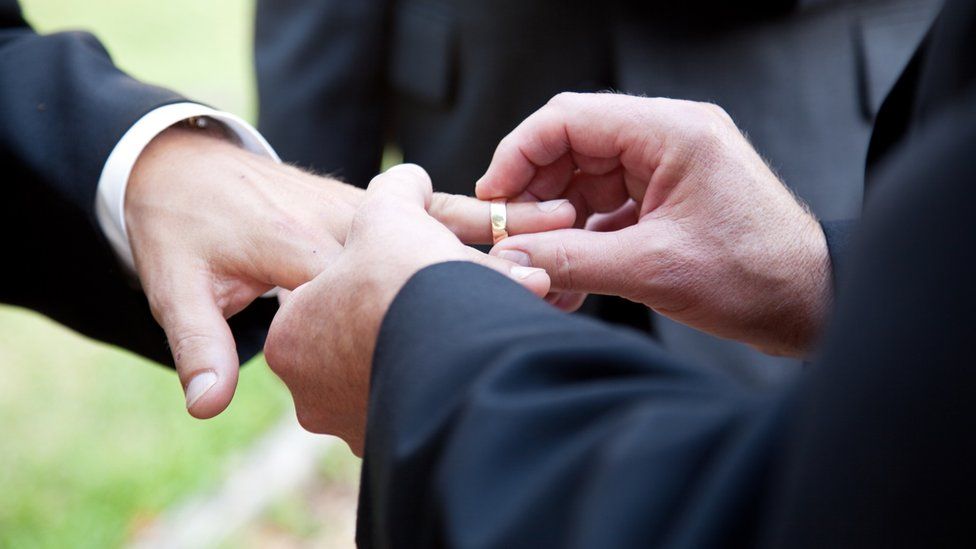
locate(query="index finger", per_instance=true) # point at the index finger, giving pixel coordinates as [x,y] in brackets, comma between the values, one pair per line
[596,131]
[539,141]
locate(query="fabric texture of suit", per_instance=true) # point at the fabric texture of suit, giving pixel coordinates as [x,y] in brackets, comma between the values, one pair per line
[496,421]
[63,107]
[445,80]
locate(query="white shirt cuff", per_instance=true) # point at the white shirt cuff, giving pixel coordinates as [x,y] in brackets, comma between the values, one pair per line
[110,196]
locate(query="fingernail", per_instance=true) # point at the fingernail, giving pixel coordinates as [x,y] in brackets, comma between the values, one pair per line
[522,273]
[199,386]
[551,205]
[515,256]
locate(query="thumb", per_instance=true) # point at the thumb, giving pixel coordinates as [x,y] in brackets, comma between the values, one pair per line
[203,349]
[577,260]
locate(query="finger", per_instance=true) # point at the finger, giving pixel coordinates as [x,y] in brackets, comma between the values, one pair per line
[533,279]
[203,347]
[538,141]
[566,301]
[406,183]
[625,216]
[583,210]
[469,218]
[602,193]
[588,125]
[550,181]
[593,164]
[576,260]
[284,296]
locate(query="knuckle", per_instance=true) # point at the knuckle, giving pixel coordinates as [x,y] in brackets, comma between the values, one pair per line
[719,114]
[158,299]
[507,144]
[565,262]
[563,99]
[274,353]
[377,180]
[405,174]
[411,171]
[188,344]
[700,128]
[715,111]
[712,119]
[397,178]
[309,420]
[281,346]
[162,287]
[703,128]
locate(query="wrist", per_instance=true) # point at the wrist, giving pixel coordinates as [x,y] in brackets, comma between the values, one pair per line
[809,296]
[818,289]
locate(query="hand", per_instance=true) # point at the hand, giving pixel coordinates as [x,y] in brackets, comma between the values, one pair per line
[683,216]
[321,342]
[213,227]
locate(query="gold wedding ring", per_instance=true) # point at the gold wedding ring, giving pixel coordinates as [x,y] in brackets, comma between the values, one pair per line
[499,220]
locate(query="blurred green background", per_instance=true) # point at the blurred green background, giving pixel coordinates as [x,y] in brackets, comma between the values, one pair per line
[95,441]
[202,49]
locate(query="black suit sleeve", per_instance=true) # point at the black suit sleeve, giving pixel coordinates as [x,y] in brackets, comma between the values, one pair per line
[838,236]
[882,453]
[63,107]
[495,421]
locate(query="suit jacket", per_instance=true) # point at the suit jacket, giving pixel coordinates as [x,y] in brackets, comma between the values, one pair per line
[63,107]
[496,421]
[445,80]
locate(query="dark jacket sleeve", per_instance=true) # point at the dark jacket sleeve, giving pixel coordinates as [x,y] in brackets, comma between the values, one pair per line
[496,421]
[321,68]
[882,453]
[838,235]
[63,108]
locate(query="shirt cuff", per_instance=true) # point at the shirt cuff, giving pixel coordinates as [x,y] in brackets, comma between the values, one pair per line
[110,195]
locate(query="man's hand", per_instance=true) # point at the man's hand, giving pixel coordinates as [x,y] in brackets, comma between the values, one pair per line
[321,342]
[213,227]
[684,216]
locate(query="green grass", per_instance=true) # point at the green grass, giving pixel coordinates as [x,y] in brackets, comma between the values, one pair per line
[95,441]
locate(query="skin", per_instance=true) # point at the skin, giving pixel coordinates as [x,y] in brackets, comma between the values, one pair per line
[213,227]
[393,235]
[676,210]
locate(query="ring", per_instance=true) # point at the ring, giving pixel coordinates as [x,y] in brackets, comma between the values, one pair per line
[499,220]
